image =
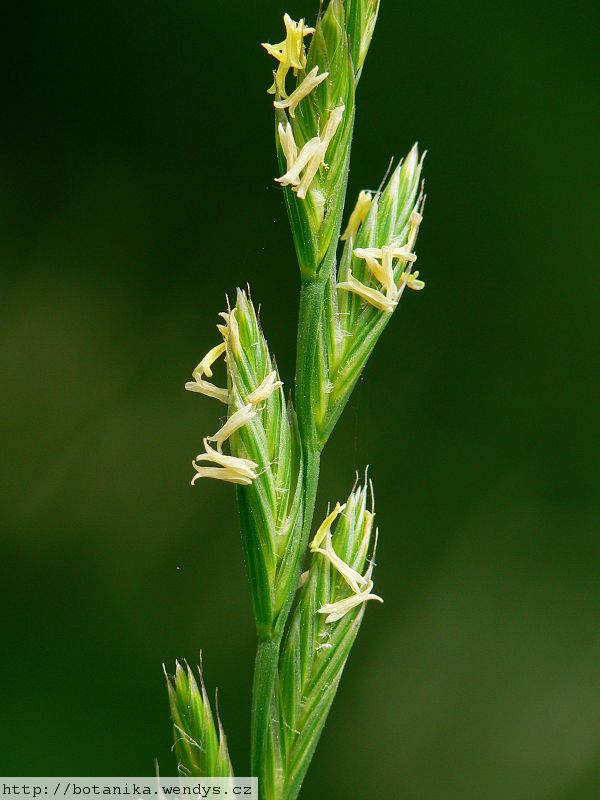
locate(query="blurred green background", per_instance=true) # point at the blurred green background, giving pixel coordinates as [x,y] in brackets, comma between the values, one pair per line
[136,188]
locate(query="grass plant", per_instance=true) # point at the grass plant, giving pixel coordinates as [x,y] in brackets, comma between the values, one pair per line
[309,588]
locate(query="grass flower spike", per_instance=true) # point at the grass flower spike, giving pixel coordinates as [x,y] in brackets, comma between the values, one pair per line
[309,584]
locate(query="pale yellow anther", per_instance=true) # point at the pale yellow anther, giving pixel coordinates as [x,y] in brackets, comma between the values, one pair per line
[325,526]
[230,331]
[265,389]
[209,359]
[335,611]
[333,122]
[302,172]
[358,215]
[308,152]
[401,253]
[380,261]
[382,271]
[288,143]
[310,82]
[353,578]
[229,468]
[237,420]
[228,474]
[291,53]
[415,220]
[412,281]
[224,460]
[361,585]
[387,266]
[372,296]
[294,41]
[206,388]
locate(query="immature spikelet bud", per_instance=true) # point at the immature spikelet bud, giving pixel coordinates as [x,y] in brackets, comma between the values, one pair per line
[200,745]
[324,625]
[375,269]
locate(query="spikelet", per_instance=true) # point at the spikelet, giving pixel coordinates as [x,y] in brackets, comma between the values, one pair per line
[376,267]
[323,628]
[271,504]
[200,745]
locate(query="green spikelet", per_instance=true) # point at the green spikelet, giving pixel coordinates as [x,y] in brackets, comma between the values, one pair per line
[322,630]
[351,324]
[200,746]
[313,140]
[271,505]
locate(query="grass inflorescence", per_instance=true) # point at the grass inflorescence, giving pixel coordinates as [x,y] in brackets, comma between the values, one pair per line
[309,586]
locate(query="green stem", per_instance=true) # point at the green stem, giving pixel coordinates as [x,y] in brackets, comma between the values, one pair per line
[265,758]
[263,747]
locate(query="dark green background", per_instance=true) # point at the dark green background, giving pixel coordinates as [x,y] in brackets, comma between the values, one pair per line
[136,188]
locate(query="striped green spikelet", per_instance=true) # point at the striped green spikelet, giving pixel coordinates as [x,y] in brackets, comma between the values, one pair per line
[271,506]
[199,744]
[265,459]
[376,267]
[314,116]
[323,627]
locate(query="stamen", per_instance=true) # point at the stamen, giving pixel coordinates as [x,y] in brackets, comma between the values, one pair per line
[403,253]
[310,82]
[201,386]
[230,468]
[358,215]
[230,331]
[207,389]
[325,526]
[353,578]
[336,611]
[288,143]
[265,389]
[291,53]
[311,157]
[237,420]
[228,474]
[384,271]
[223,460]
[372,296]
